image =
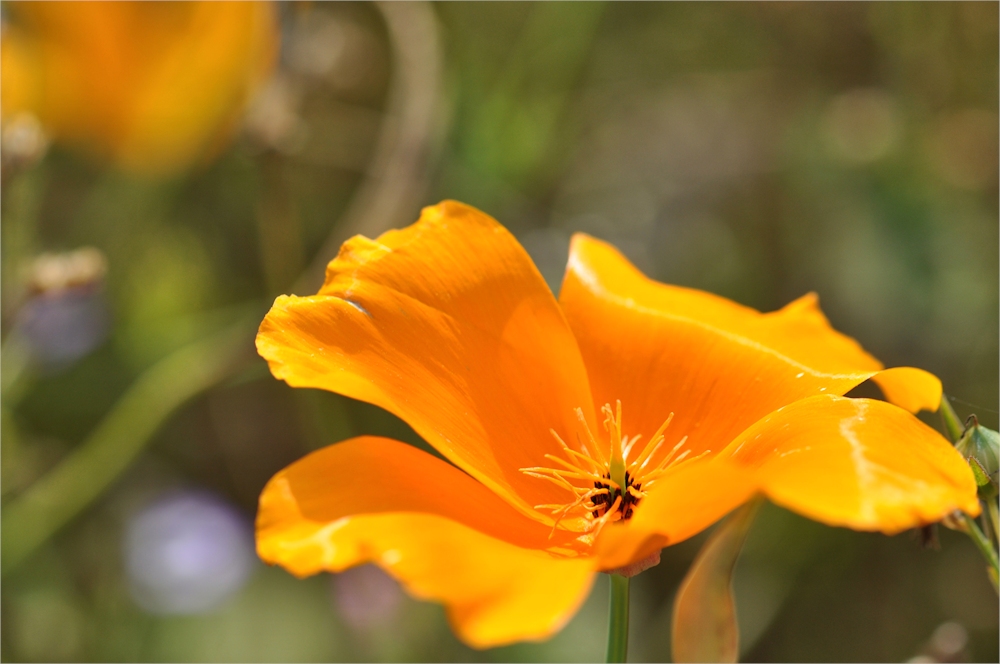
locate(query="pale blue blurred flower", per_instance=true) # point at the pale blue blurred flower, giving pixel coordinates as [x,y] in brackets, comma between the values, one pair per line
[187,552]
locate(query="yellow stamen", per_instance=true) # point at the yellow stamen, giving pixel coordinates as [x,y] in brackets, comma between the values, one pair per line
[654,443]
[563,510]
[679,461]
[628,444]
[605,488]
[590,436]
[570,466]
[555,480]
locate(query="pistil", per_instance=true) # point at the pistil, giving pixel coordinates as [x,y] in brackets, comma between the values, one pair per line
[613,425]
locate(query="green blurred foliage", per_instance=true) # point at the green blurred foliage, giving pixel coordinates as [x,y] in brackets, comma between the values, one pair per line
[759,151]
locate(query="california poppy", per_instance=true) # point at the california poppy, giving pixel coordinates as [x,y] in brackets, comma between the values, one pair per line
[584,434]
[154,86]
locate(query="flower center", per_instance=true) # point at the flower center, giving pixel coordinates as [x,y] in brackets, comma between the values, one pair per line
[610,495]
[606,487]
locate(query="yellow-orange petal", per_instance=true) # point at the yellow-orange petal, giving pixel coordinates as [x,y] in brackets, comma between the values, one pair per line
[443,535]
[910,388]
[449,325]
[717,365]
[369,475]
[859,463]
[683,504]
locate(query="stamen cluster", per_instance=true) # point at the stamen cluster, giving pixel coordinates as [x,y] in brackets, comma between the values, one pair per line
[606,501]
[612,484]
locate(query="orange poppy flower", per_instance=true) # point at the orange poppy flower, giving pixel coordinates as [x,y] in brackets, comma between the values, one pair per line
[584,434]
[152,85]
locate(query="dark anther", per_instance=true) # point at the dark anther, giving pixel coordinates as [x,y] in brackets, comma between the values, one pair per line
[604,501]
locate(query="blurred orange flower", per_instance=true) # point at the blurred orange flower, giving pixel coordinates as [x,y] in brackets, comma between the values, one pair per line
[449,325]
[152,85]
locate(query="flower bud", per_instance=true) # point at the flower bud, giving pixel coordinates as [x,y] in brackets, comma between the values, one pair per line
[981,447]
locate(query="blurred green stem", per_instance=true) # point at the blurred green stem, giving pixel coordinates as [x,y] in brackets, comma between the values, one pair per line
[111,447]
[23,197]
[951,422]
[991,509]
[618,619]
[984,545]
[15,357]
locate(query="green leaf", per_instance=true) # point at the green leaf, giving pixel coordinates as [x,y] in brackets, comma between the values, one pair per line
[982,479]
[704,624]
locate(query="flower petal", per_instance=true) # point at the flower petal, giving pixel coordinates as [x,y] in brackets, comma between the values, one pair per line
[717,365]
[495,593]
[443,535]
[448,325]
[684,503]
[859,463]
[909,388]
[370,475]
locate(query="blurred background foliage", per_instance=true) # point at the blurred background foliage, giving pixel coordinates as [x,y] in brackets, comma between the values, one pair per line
[167,170]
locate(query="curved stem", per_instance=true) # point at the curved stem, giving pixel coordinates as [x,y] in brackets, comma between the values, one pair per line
[52,501]
[991,508]
[618,619]
[950,418]
[409,143]
[984,546]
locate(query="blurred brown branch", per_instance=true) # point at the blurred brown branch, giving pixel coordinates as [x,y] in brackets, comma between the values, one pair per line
[409,142]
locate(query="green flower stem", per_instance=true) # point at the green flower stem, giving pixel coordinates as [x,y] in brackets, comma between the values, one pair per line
[984,545]
[950,418]
[991,508]
[618,619]
[955,429]
[15,358]
[52,501]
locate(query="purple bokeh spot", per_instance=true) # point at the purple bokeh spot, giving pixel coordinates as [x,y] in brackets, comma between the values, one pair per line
[187,552]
